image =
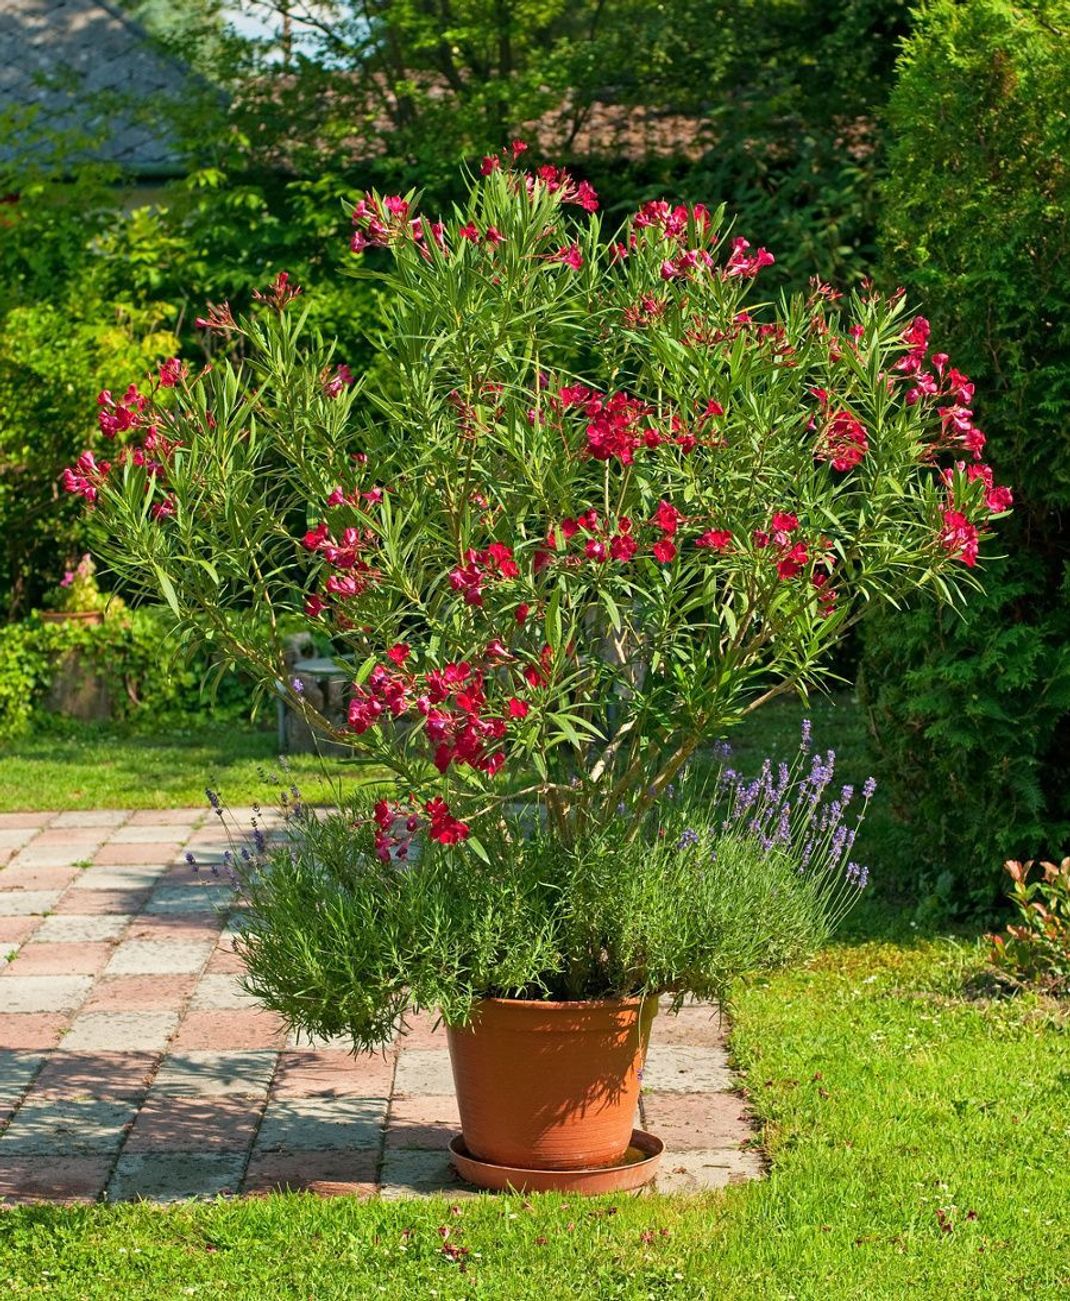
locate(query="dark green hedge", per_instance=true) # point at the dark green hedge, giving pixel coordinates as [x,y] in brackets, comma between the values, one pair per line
[971,716]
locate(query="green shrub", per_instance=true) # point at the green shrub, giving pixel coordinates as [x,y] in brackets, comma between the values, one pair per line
[970,714]
[148,688]
[342,942]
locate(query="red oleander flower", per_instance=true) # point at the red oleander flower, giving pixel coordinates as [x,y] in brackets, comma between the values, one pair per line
[444,827]
[843,442]
[667,517]
[569,255]
[664,551]
[792,561]
[172,372]
[959,537]
[715,540]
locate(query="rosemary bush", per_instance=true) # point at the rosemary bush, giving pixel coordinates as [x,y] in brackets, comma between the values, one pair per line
[725,878]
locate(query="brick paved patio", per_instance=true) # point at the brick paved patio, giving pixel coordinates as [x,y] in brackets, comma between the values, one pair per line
[133,1065]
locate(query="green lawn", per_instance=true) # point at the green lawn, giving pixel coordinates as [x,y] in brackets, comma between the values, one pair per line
[918,1133]
[919,1141]
[85,766]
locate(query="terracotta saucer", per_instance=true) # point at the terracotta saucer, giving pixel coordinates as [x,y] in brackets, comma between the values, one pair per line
[638,1168]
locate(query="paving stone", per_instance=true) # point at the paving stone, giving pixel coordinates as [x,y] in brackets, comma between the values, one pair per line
[219,1031]
[34,855]
[330,1072]
[120,1031]
[423,1031]
[62,1179]
[696,1120]
[72,838]
[14,930]
[198,898]
[139,994]
[17,1070]
[215,1074]
[113,854]
[694,1172]
[112,1075]
[157,958]
[224,961]
[167,818]
[318,1124]
[174,1176]
[16,837]
[298,1039]
[74,928]
[178,928]
[328,1174]
[24,903]
[424,1070]
[140,876]
[687,1069]
[32,1030]
[424,1121]
[37,878]
[42,959]
[105,818]
[150,836]
[169,1124]
[407,1172]
[41,993]
[220,993]
[67,1126]
[21,821]
[86,903]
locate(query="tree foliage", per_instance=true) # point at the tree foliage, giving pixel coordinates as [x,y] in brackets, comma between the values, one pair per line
[971,713]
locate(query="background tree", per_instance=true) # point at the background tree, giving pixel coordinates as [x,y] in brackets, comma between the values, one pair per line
[971,713]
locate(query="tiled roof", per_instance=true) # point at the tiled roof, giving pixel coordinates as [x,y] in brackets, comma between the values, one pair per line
[86,67]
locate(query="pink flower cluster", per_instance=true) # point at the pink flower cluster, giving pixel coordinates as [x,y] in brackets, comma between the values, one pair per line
[379,224]
[395,827]
[86,477]
[843,441]
[344,555]
[480,567]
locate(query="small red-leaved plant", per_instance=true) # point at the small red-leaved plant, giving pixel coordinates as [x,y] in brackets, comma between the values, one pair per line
[1036,948]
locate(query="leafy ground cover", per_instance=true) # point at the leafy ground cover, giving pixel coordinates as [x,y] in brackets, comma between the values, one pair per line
[917,1138]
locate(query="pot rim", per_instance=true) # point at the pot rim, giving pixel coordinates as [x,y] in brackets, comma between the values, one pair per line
[634,1000]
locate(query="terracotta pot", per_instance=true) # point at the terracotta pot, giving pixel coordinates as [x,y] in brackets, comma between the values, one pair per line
[550,1086]
[92,617]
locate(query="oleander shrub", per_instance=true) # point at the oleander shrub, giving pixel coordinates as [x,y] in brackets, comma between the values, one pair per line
[970,710]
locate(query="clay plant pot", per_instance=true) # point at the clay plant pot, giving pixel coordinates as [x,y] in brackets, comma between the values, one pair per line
[550,1086]
[94,618]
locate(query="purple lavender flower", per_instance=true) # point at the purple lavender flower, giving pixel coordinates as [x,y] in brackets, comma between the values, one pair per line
[804,735]
[721,750]
[857,875]
[297,686]
[689,838]
[869,787]
[213,798]
[259,839]
[190,858]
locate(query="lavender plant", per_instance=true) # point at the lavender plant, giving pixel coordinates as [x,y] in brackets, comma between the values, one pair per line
[341,940]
